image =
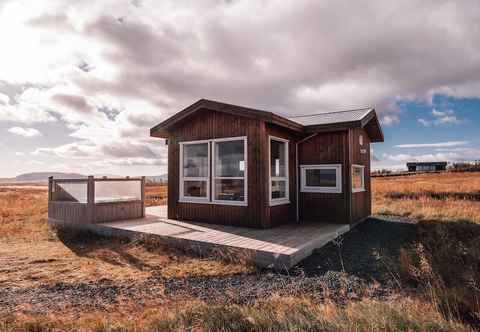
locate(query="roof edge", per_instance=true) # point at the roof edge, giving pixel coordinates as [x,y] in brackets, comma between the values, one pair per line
[162,129]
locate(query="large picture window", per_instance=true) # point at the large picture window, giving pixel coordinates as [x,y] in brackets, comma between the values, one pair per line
[321,178]
[229,170]
[358,178]
[194,171]
[227,180]
[279,193]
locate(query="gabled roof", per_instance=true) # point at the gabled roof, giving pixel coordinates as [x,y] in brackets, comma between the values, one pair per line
[331,117]
[360,118]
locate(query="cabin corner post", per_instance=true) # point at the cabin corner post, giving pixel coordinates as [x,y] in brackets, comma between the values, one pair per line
[348,173]
[50,187]
[142,193]
[91,200]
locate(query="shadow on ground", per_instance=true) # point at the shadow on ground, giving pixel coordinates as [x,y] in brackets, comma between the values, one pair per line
[110,250]
[369,251]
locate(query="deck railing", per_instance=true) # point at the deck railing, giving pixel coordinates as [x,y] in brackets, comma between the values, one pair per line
[93,200]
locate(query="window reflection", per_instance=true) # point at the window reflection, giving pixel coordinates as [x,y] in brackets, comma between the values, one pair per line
[230,159]
[195,160]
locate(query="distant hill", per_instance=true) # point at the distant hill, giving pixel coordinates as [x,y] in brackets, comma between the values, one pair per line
[41,177]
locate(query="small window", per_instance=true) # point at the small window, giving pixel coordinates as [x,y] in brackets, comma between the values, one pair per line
[358,178]
[321,178]
[278,171]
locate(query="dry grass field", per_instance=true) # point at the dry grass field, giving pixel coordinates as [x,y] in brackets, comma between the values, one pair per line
[32,254]
[436,196]
[102,284]
[156,195]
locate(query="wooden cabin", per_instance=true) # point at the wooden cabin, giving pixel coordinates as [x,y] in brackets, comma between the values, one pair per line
[234,165]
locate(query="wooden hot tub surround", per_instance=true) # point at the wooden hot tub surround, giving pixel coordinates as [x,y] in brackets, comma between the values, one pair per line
[94,200]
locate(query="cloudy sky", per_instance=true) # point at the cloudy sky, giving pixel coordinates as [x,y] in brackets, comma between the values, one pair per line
[82,81]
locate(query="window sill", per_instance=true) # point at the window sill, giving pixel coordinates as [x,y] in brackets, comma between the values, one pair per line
[321,191]
[358,191]
[230,203]
[279,202]
[186,200]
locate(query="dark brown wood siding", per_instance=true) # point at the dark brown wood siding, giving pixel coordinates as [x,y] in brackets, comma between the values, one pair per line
[209,125]
[361,201]
[281,214]
[326,148]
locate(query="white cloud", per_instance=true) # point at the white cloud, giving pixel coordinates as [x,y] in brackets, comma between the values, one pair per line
[440,118]
[454,149]
[433,145]
[449,119]
[424,122]
[19,154]
[449,156]
[4,99]
[389,120]
[397,157]
[35,163]
[88,150]
[107,78]
[131,162]
[440,114]
[25,132]
[26,113]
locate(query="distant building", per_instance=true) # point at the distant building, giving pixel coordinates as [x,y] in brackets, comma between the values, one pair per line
[427,166]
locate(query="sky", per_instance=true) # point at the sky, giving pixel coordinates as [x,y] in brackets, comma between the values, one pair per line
[81,82]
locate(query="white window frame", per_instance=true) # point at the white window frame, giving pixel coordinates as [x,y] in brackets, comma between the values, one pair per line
[244,178]
[357,190]
[210,179]
[286,178]
[182,179]
[316,189]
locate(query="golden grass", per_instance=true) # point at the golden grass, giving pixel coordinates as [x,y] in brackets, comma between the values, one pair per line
[23,214]
[438,196]
[445,260]
[274,314]
[32,254]
[156,195]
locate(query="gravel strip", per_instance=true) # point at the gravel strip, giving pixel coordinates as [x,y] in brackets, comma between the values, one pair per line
[246,289]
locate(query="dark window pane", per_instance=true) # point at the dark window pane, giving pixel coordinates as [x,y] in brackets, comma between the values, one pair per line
[277,159]
[229,190]
[321,177]
[195,188]
[230,159]
[195,160]
[279,189]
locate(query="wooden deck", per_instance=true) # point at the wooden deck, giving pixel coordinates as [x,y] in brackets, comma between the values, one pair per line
[280,247]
